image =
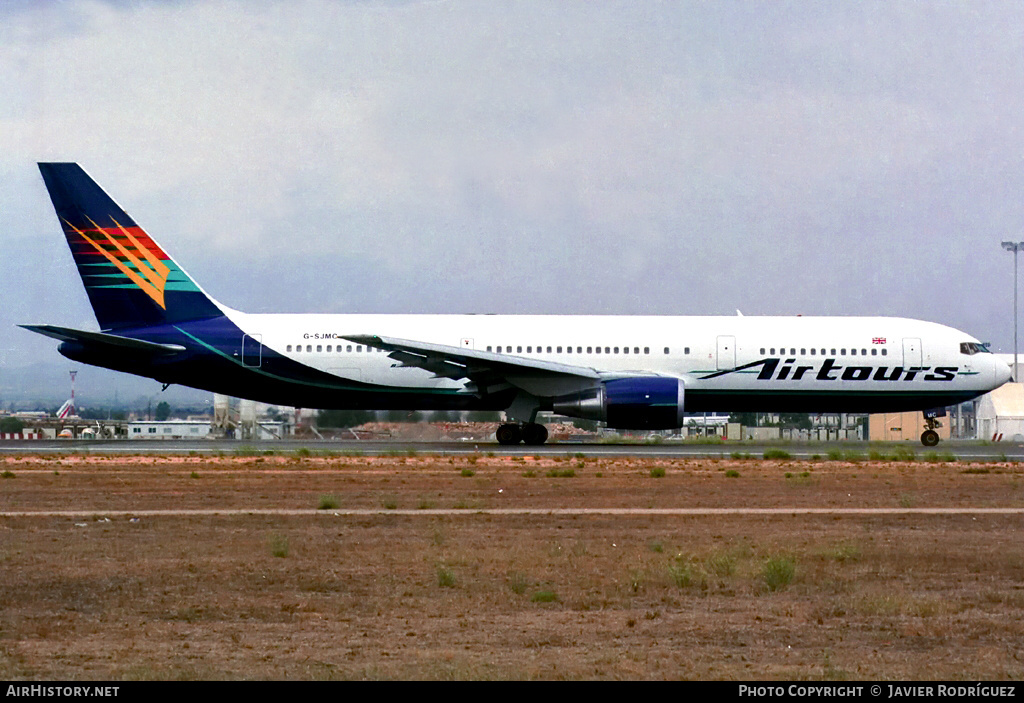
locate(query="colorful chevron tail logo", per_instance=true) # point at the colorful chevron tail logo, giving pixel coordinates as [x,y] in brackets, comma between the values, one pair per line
[149,275]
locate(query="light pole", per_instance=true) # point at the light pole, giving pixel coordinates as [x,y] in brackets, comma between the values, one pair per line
[1014,247]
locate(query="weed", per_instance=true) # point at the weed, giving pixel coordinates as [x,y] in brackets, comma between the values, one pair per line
[658,472]
[656,546]
[278,545]
[425,504]
[529,474]
[721,564]
[683,575]
[544,597]
[193,475]
[740,455]
[776,454]
[778,573]
[389,503]
[7,474]
[445,577]
[732,473]
[564,473]
[907,500]
[518,582]
[327,502]
[468,472]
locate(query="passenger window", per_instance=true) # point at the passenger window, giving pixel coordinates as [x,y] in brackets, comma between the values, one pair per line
[529,350]
[590,350]
[558,350]
[686,350]
[803,352]
[549,350]
[874,352]
[762,350]
[842,352]
[359,348]
[329,347]
[853,352]
[519,350]
[885,352]
[647,350]
[508,349]
[773,351]
[488,348]
[289,347]
[625,350]
[309,347]
[666,350]
[812,351]
[616,350]
[636,350]
[606,350]
[319,348]
[598,350]
[833,352]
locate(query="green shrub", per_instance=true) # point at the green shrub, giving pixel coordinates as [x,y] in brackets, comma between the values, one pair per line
[778,573]
[328,502]
[776,454]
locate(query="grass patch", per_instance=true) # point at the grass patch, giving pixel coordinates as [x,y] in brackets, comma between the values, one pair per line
[564,473]
[278,545]
[776,454]
[445,576]
[544,597]
[8,474]
[658,472]
[518,582]
[778,573]
[732,473]
[468,472]
[328,502]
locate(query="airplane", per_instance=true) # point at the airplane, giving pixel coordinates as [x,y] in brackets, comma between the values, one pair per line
[630,372]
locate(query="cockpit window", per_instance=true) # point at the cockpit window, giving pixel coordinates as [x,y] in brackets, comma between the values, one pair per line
[970,348]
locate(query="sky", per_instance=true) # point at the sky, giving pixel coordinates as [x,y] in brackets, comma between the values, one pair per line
[669,158]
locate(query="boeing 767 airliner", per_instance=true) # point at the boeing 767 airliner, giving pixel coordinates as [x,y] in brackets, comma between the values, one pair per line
[629,372]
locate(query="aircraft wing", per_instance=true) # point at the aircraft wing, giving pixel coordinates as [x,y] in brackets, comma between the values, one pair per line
[94,339]
[488,372]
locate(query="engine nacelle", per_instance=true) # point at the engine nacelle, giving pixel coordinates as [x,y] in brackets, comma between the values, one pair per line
[636,403]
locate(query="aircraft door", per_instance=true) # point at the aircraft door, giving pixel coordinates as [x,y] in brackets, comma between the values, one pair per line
[252,350]
[911,352]
[726,353]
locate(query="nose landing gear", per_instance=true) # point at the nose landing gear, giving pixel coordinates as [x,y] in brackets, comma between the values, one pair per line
[930,437]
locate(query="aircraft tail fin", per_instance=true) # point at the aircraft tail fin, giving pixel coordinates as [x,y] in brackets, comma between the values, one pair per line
[130,280]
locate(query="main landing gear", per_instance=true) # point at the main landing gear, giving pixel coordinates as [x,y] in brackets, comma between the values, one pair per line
[531,433]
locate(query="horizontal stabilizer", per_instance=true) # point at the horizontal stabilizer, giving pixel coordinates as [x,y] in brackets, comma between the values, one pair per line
[66,334]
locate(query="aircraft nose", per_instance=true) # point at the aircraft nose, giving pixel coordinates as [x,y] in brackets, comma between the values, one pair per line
[1003,372]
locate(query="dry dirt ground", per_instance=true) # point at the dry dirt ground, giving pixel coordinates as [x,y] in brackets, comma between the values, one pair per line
[406,593]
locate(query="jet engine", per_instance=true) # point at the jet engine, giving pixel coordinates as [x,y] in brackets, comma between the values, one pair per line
[633,403]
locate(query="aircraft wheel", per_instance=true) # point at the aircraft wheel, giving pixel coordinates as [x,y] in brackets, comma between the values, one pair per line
[535,434]
[508,434]
[929,438]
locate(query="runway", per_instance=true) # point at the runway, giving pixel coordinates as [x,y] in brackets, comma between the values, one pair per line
[961,450]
